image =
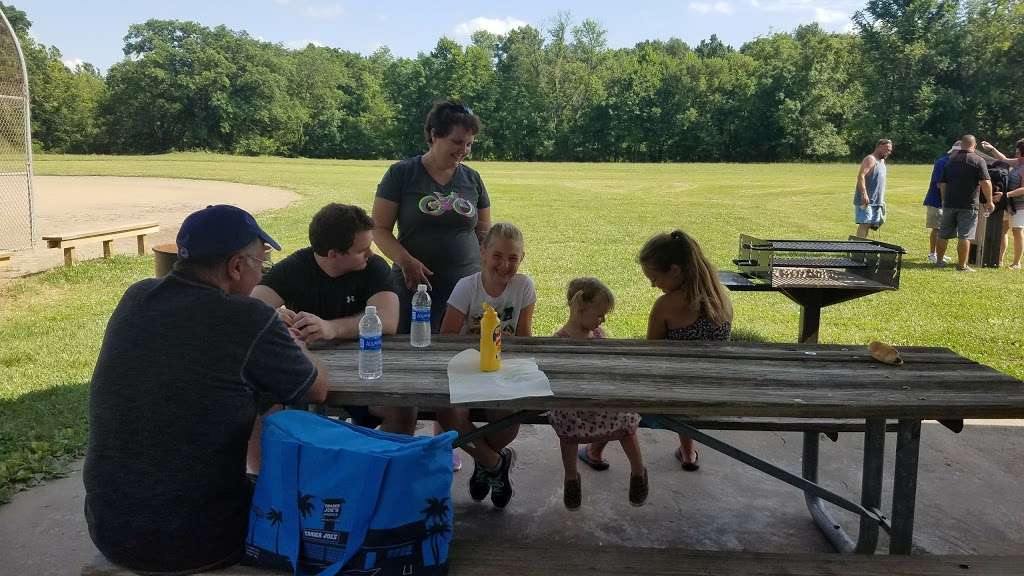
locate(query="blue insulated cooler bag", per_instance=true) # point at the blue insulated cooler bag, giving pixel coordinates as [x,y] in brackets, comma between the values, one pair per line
[333,498]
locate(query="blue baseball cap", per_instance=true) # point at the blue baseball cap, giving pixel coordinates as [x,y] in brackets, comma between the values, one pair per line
[218,231]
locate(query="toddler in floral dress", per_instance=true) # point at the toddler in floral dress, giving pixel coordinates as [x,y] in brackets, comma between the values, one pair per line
[589,301]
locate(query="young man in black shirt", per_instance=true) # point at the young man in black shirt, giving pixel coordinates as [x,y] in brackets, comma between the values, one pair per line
[322,291]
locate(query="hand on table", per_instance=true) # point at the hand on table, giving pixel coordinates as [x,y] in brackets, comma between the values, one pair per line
[312,327]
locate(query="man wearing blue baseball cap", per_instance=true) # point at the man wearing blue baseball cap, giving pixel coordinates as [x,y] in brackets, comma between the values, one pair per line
[185,361]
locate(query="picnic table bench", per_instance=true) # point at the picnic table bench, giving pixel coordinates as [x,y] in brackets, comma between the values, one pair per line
[684,386]
[107,236]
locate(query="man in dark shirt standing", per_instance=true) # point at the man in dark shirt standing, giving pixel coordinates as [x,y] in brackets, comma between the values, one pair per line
[184,363]
[323,290]
[962,176]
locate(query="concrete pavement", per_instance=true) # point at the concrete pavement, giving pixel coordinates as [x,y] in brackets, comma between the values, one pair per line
[969,499]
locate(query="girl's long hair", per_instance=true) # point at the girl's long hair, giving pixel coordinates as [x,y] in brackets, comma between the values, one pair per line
[701,287]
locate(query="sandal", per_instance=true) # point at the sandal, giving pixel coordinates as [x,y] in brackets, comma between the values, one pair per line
[688,466]
[596,464]
[638,488]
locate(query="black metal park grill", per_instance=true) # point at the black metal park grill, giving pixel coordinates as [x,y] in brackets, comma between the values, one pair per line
[815,273]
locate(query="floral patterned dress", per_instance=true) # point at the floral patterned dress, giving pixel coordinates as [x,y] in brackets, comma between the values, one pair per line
[585,426]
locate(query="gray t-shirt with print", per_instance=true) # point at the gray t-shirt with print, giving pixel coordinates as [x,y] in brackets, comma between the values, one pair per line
[437,225]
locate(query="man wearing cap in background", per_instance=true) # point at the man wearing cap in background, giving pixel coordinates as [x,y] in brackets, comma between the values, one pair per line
[933,203]
[184,363]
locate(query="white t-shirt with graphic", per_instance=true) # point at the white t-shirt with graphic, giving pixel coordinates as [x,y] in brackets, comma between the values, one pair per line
[469,295]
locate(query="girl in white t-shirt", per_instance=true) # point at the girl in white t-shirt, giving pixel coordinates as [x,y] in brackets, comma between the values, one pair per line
[512,295]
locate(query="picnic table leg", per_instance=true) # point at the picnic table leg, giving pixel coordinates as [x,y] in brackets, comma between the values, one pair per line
[810,319]
[904,486]
[141,239]
[871,483]
[69,256]
[835,534]
[108,248]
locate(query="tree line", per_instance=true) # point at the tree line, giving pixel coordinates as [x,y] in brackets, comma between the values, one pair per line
[920,72]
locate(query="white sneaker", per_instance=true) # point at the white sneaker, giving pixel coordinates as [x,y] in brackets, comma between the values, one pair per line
[933,258]
[947,259]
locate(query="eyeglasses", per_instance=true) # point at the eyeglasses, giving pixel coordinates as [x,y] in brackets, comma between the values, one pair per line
[265,265]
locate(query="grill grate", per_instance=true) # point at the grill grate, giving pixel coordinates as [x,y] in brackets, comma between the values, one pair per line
[821,246]
[821,278]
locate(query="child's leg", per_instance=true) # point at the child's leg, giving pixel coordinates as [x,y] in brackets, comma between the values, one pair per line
[687,450]
[569,458]
[595,450]
[457,419]
[631,446]
[501,438]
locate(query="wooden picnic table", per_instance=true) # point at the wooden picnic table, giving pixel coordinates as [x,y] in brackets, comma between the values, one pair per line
[679,384]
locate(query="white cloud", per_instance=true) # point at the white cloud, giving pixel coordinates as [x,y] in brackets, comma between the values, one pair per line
[300,44]
[708,7]
[834,14]
[493,25]
[73,64]
[828,16]
[325,12]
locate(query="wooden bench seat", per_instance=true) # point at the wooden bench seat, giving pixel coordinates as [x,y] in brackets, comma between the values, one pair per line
[68,242]
[472,558]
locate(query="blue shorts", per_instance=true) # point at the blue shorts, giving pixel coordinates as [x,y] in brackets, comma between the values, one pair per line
[873,215]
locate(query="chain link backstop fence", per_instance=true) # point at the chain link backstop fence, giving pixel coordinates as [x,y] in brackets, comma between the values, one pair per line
[17,215]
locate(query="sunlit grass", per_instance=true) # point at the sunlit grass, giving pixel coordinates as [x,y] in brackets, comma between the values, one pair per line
[578,219]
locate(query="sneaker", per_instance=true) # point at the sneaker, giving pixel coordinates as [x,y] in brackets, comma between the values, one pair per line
[572,493]
[964,268]
[501,483]
[1014,266]
[638,488]
[941,264]
[456,461]
[933,258]
[479,482]
[947,259]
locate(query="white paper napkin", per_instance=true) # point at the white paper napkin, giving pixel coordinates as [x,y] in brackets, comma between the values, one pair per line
[518,378]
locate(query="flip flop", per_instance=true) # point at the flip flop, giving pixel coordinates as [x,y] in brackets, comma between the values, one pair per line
[598,465]
[688,466]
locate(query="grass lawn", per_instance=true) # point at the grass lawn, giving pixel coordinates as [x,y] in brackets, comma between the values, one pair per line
[578,219]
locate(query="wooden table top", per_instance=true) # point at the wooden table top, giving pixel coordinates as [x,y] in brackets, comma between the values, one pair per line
[696,379]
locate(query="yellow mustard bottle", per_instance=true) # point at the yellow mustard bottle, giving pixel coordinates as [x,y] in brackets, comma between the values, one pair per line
[490,340]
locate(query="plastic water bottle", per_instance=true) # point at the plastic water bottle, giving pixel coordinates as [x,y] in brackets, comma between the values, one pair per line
[419,334]
[370,328]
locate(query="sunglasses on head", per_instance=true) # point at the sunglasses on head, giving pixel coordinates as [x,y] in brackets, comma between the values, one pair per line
[460,108]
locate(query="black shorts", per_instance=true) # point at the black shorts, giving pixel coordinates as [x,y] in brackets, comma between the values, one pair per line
[361,416]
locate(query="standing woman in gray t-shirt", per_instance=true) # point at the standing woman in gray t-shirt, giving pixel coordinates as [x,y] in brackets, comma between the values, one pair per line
[442,210]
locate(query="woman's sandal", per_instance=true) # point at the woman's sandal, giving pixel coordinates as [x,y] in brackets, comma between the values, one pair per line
[597,464]
[688,466]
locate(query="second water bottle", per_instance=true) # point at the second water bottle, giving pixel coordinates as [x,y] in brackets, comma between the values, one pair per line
[419,331]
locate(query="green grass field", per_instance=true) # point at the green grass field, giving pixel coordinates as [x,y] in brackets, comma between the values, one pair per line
[578,219]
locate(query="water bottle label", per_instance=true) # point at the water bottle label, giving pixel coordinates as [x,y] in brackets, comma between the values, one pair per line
[371,343]
[421,315]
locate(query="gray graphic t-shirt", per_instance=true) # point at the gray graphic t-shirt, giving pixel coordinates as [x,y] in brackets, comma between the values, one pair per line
[437,224]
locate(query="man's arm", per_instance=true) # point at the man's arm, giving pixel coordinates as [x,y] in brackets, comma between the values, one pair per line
[386,302]
[866,166]
[317,392]
[986,190]
[268,295]
[942,193]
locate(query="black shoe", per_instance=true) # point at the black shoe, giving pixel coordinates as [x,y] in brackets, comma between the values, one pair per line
[479,482]
[572,493]
[501,484]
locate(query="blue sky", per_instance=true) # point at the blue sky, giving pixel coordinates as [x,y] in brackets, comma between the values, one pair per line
[93,30]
